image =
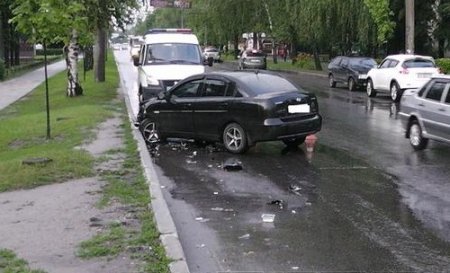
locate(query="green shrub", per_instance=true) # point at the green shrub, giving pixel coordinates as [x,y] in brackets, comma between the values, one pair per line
[50,51]
[2,70]
[304,61]
[444,65]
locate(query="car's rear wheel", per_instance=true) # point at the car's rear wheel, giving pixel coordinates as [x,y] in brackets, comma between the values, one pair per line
[396,92]
[351,84]
[370,89]
[331,81]
[418,142]
[294,142]
[235,138]
[149,130]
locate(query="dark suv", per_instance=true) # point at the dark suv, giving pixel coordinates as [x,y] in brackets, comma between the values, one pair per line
[350,70]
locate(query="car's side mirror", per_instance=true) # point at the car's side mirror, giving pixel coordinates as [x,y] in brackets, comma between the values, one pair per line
[136,61]
[162,95]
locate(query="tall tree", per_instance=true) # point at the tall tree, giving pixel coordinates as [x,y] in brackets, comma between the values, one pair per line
[48,21]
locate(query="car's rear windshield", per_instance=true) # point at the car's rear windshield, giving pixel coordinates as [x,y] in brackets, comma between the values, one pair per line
[418,63]
[261,84]
[255,54]
[211,50]
[363,62]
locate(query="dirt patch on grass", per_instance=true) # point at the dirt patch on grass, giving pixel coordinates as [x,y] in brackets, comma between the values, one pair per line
[45,225]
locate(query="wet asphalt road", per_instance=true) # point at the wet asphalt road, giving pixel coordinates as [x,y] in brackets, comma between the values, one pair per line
[364,200]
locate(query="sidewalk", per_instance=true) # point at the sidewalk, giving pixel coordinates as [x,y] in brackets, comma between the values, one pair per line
[14,89]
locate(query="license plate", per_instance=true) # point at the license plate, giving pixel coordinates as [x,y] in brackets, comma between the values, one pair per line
[299,108]
[254,61]
[424,75]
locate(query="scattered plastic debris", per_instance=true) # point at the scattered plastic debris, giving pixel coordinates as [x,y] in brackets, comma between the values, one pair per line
[201,219]
[188,161]
[295,268]
[268,218]
[245,236]
[163,187]
[215,193]
[280,203]
[200,246]
[308,204]
[210,166]
[295,189]
[232,164]
[217,209]
[249,253]
[293,211]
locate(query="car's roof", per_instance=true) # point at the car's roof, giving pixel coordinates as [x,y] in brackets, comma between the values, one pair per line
[402,57]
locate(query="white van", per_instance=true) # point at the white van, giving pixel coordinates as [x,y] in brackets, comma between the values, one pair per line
[166,57]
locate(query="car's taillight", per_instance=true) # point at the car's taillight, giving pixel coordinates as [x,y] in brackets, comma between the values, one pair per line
[404,71]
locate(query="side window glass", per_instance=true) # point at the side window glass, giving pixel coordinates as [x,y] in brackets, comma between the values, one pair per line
[393,64]
[187,90]
[436,91]
[424,88]
[337,61]
[214,88]
[385,64]
[344,63]
[142,54]
[447,99]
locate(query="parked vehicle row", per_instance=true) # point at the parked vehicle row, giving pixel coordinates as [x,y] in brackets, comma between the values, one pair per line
[394,75]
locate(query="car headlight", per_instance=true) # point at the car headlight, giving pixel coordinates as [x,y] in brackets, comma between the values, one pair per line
[152,81]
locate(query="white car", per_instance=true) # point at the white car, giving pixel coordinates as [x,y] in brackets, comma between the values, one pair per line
[397,73]
[212,52]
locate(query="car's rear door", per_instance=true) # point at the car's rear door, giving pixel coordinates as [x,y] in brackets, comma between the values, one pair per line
[211,109]
[433,111]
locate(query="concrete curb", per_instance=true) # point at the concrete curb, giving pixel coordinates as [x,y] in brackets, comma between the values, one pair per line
[163,218]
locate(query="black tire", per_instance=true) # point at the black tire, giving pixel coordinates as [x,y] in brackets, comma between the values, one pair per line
[416,139]
[371,92]
[396,92]
[235,139]
[331,81]
[351,84]
[294,142]
[140,96]
[149,131]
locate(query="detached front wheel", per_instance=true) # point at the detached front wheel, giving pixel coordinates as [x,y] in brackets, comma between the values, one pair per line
[235,139]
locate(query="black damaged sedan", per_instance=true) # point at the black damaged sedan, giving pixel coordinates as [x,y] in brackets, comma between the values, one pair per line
[236,108]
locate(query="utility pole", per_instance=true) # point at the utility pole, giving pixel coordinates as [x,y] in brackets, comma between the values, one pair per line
[409,27]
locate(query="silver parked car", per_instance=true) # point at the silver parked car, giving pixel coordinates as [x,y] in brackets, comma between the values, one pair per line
[425,112]
[253,59]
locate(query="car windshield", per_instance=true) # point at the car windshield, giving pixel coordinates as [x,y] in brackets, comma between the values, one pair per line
[418,63]
[363,62]
[261,84]
[211,50]
[174,53]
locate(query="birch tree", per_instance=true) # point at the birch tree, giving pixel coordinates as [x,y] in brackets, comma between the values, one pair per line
[48,21]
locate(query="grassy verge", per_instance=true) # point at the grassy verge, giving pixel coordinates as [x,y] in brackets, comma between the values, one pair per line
[128,186]
[10,263]
[23,131]
[23,136]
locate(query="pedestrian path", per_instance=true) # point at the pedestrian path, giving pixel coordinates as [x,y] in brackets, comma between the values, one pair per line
[14,89]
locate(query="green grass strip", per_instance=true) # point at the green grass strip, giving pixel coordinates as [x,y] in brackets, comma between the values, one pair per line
[10,263]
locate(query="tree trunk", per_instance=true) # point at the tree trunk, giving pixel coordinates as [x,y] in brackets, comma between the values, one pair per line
[236,46]
[99,55]
[72,51]
[2,41]
[317,59]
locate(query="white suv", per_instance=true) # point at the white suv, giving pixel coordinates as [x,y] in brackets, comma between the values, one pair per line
[399,72]
[166,57]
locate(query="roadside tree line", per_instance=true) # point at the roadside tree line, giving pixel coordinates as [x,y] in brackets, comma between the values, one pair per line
[369,27]
[74,23]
